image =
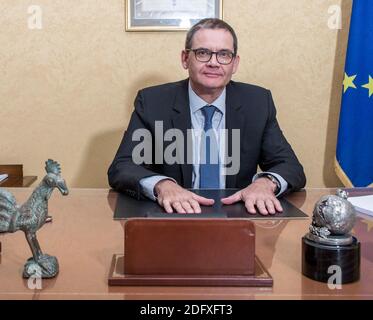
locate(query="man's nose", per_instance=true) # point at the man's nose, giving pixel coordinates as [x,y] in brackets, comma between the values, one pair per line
[213,61]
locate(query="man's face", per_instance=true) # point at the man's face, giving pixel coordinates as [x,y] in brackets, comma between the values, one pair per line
[210,76]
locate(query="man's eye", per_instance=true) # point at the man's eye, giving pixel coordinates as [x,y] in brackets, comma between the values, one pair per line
[203,52]
[223,54]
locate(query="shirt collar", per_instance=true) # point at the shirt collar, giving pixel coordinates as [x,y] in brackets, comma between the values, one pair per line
[196,102]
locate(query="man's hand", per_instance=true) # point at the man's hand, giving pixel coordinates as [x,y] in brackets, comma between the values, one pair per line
[173,197]
[260,194]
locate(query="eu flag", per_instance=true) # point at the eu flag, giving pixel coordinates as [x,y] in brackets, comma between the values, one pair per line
[354,157]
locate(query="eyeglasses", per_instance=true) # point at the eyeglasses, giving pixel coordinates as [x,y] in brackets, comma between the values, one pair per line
[204,55]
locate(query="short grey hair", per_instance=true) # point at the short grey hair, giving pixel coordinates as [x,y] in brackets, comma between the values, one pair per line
[210,23]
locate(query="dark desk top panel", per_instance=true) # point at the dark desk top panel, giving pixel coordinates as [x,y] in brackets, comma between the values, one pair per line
[128,207]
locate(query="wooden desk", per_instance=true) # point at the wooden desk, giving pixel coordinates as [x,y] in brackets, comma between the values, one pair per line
[15,176]
[84,237]
[14,182]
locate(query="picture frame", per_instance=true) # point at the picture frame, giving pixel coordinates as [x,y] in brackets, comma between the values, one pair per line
[169,15]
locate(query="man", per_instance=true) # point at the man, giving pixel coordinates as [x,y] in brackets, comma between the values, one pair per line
[208,100]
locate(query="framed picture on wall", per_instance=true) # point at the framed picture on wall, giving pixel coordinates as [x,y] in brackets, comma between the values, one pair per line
[169,15]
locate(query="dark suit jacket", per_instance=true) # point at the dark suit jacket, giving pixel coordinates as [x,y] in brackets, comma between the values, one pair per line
[248,108]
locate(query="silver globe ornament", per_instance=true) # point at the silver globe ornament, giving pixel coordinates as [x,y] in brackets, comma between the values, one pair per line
[329,242]
[333,219]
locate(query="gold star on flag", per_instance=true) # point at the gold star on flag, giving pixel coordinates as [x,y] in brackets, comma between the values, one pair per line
[348,82]
[369,224]
[369,86]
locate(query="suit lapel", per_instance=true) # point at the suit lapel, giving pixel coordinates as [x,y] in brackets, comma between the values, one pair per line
[181,120]
[233,120]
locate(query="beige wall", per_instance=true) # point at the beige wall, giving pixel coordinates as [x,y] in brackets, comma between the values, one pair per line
[66,91]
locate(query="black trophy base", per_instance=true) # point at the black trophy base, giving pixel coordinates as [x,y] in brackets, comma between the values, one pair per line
[318,258]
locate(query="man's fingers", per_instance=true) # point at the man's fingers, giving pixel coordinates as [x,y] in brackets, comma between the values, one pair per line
[270,206]
[191,203]
[278,206]
[166,204]
[187,207]
[261,207]
[203,201]
[249,204]
[178,207]
[232,199]
[195,206]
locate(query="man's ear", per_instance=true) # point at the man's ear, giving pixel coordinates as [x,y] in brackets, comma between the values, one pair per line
[184,59]
[236,63]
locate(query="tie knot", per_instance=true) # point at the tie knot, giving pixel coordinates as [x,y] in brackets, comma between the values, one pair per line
[208,113]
